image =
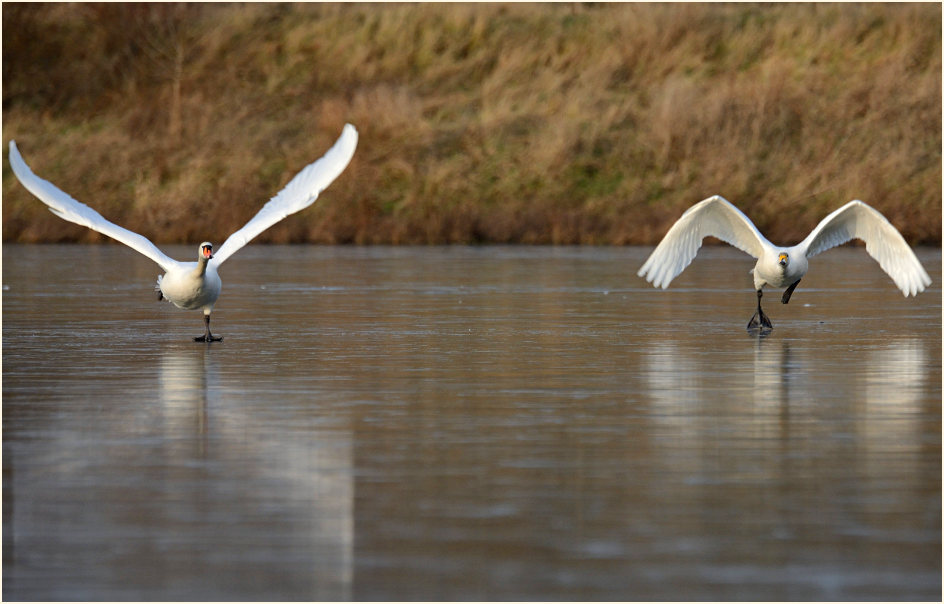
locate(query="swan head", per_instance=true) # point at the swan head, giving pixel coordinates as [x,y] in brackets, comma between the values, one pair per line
[206,251]
[783,259]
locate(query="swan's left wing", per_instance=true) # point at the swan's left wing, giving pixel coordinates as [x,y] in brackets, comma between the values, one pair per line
[298,194]
[69,209]
[857,220]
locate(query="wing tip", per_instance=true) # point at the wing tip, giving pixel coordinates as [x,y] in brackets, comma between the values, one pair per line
[14,152]
[915,285]
[346,144]
[350,133]
[22,171]
[650,275]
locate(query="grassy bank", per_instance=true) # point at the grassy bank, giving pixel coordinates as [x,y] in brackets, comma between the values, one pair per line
[479,123]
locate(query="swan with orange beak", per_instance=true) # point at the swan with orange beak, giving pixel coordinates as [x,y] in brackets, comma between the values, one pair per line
[197,285]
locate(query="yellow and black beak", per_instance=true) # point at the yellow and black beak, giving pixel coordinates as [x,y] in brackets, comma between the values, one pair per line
[782,259]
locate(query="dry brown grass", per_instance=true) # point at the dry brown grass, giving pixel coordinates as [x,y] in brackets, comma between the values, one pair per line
[479,123]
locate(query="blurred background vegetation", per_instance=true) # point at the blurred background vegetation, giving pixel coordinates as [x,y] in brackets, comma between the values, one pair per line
[560,123]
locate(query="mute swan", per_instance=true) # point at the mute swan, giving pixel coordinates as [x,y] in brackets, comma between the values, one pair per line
[196,285]
[783,266]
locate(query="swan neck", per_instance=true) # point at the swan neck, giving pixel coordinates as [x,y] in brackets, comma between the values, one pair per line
[202,263]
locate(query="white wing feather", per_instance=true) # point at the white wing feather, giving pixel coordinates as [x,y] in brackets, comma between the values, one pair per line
[857,220]
[69,209]
[715,216]
[298,194]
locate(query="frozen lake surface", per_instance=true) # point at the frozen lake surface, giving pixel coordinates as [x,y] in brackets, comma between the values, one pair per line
[468,423]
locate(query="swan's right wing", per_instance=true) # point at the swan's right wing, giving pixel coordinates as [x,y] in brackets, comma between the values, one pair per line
[715,216]
[69,209]
[298,194]
[858,220]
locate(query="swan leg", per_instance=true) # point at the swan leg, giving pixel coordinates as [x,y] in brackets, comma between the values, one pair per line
[789,292]
[207,336]
[759,320]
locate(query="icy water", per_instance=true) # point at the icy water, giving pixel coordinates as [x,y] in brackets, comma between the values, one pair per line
[467,424]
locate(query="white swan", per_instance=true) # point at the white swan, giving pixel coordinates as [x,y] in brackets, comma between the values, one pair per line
[783,266]
[196,285]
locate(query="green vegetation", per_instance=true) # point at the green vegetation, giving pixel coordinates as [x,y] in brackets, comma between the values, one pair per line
[479,123]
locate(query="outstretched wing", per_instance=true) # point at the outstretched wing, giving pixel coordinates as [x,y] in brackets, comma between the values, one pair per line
[715,216]
[857,220]
[298,194]
[69,209]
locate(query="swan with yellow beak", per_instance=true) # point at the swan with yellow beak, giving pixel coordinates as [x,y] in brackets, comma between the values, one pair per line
[783,267]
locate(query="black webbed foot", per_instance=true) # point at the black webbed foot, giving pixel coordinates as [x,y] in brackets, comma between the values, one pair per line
[207,336]
[789,292]
[210,338]
[759,321]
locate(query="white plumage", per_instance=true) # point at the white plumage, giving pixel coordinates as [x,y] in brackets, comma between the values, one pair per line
[196,285]
[783,266]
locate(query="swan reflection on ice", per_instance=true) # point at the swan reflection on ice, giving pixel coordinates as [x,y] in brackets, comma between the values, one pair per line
[313,472]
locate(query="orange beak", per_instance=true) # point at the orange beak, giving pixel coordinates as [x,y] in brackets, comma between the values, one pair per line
[207,252]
